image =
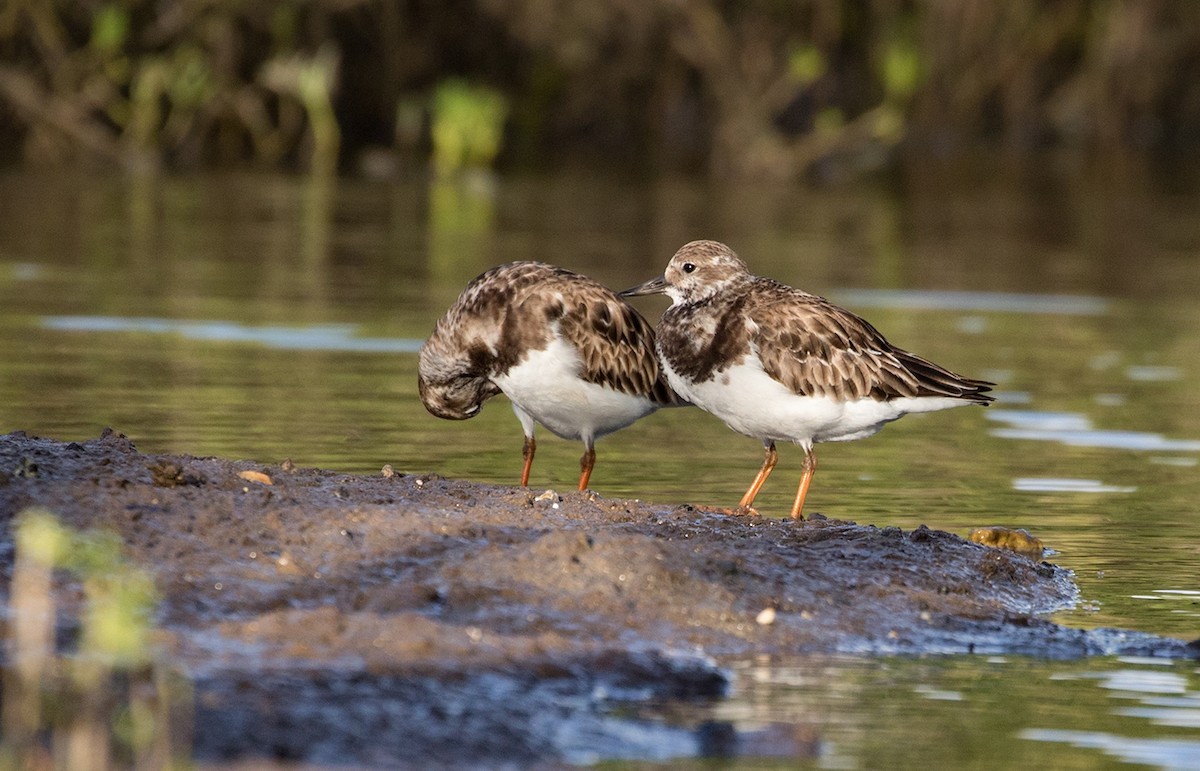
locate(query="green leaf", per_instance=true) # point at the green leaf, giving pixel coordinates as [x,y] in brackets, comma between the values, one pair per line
[110,28]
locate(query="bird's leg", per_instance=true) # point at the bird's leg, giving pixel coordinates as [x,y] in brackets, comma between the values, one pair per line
[585,465]
[770,458]
[806,475]
[527,453]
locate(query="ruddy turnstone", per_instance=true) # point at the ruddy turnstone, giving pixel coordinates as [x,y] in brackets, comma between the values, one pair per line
[781,364]
[566,351]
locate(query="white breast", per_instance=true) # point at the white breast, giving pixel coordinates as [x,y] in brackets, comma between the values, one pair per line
[753,403]
[547,387]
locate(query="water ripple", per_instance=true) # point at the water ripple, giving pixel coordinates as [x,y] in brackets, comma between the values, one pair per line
[1075,430]
[1058,485]
[1163,753]
[1153,374]
[1003,302]
[324,337]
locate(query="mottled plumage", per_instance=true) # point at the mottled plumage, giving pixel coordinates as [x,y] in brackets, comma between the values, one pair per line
[567,351]
[781,364]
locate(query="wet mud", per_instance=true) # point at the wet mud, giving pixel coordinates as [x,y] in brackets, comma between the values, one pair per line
[413,621]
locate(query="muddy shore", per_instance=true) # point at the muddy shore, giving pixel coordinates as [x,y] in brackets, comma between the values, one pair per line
[410,620]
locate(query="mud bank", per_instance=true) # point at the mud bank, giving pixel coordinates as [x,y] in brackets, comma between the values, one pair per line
[412,620]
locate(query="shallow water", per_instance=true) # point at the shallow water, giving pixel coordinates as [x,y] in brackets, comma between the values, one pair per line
[268,317]
[957,712]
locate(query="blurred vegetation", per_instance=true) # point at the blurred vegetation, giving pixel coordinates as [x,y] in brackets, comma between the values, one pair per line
[762,87]
[108,703]
[467,125]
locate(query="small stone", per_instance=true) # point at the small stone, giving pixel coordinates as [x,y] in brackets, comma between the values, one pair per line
[765,617]
[256,476]
[387,471]
[286,565]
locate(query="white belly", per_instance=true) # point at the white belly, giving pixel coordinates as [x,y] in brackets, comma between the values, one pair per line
[546,387]
[753,403]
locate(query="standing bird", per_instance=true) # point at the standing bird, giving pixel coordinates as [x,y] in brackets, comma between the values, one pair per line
[781,364]
[566,351]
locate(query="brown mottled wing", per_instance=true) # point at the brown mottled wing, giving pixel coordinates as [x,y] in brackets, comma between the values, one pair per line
[615,343]
[481,309]
[816,348]
[480,325]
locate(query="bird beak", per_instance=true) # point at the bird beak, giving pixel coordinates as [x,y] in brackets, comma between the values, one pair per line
[653,286]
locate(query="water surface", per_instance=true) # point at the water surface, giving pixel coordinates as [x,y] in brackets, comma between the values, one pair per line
[269,317]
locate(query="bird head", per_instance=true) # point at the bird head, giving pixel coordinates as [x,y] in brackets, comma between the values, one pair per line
[452,386]
[698,271]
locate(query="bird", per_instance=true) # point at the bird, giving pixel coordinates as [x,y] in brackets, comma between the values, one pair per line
[568,353]
[782,365]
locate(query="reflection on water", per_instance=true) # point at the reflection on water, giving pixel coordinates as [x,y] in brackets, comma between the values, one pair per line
[994,712]
[1147,373]
[462,212]
[1076,429]
[1051,485]
[325,337]
[1000,302]
[1146,688]
[1159,753]
[264,317]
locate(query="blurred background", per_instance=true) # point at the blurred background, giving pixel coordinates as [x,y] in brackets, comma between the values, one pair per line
[775,88]
[226,228]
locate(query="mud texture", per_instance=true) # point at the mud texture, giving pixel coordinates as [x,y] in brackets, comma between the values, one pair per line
[401,620]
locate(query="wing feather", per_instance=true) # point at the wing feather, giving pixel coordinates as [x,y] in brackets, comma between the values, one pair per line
[816,348]
[615,343]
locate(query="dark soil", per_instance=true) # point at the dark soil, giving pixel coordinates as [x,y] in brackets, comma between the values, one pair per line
[412,620]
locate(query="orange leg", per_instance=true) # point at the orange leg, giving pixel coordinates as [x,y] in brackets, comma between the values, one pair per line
[527,453]
[770,458]
[810,466]
[585,466]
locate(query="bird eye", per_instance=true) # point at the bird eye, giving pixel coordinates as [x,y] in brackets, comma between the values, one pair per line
[688,267]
